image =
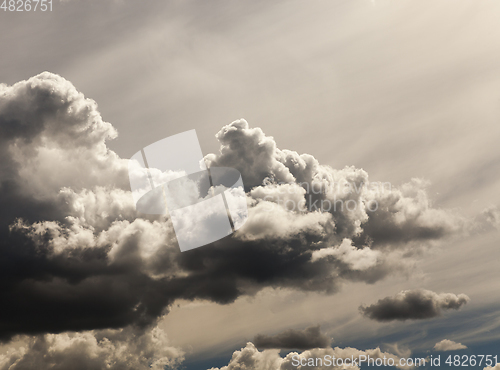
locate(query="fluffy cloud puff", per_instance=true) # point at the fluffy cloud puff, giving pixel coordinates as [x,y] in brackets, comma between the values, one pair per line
[413,305]
[355,258]
[98,349]
[250,358]
[75,255]
[448,345]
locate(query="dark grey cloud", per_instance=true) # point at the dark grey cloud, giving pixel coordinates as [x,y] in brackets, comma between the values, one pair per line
[75,255]
[413,305]
[311,337]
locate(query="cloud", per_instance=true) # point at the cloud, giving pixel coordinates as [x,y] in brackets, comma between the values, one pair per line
[75,255]
[356,258]
[488,219]
[496,367]
[98,349]
[308,338]
[448,345]
[371,213]
[250,358]
[413,305]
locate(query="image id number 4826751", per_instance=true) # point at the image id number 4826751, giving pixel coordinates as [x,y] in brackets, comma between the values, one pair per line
[26,5]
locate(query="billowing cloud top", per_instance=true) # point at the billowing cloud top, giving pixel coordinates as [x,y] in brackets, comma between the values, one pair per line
[250,358]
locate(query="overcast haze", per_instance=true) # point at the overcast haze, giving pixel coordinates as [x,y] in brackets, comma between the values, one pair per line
[289,93]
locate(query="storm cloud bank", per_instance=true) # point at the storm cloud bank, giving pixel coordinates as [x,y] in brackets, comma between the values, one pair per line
[76,256]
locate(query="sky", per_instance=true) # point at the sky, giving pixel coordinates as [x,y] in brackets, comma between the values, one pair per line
[286,92]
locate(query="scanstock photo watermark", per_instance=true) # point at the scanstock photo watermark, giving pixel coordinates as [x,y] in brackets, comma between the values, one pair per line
[341,195]
[409,362]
